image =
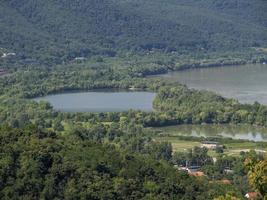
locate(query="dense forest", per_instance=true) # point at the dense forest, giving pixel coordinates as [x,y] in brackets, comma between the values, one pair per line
[43,165]
[57,46]
[56,31]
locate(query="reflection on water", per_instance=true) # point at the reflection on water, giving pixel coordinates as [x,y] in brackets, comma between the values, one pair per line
[247,83]
[100,101]
[245,132]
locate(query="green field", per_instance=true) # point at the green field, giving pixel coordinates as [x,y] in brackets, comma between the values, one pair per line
[179,145]
[232,148]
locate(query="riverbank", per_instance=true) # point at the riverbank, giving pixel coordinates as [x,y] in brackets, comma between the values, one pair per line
[173,64]
[230,147]
[246,83]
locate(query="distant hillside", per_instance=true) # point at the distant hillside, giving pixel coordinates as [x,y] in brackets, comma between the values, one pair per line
[63,29]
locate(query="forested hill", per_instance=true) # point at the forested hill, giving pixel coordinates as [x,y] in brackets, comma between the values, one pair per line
[64,29]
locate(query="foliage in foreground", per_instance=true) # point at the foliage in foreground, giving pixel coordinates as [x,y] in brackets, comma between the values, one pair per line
[36,164]
[257,175]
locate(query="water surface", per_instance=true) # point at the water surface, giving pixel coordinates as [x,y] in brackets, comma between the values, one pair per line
[104,101]
[244,132]
[247,83]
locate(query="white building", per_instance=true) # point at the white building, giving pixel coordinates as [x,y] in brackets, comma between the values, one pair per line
[210,145]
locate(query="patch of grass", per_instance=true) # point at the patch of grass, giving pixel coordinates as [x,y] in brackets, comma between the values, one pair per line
[244,145]
[236,148]
[232,149]
[178,145]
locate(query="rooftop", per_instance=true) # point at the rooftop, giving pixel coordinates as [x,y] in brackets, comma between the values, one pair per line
[251,195]
[209,142]
[197,174]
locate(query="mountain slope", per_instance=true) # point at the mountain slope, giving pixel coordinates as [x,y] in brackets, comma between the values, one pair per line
[66,28]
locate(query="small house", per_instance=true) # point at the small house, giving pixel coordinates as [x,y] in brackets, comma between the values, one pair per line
[190,169]
[196,174]
[228,171]
[193,169]
[7,55]
[11,54]
[80,59]
[4,55]
[210,145]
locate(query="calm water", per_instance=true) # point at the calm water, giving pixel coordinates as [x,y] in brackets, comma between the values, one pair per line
[247,83]
[244,132]
[100,101]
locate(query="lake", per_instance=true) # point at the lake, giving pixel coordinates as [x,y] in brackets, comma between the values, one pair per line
[245,132]
[247,83]
[100,101]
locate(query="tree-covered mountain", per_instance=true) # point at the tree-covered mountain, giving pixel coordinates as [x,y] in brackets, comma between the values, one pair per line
[64,29]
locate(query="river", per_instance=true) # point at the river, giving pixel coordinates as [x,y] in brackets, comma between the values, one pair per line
[247,83]
[244,132]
